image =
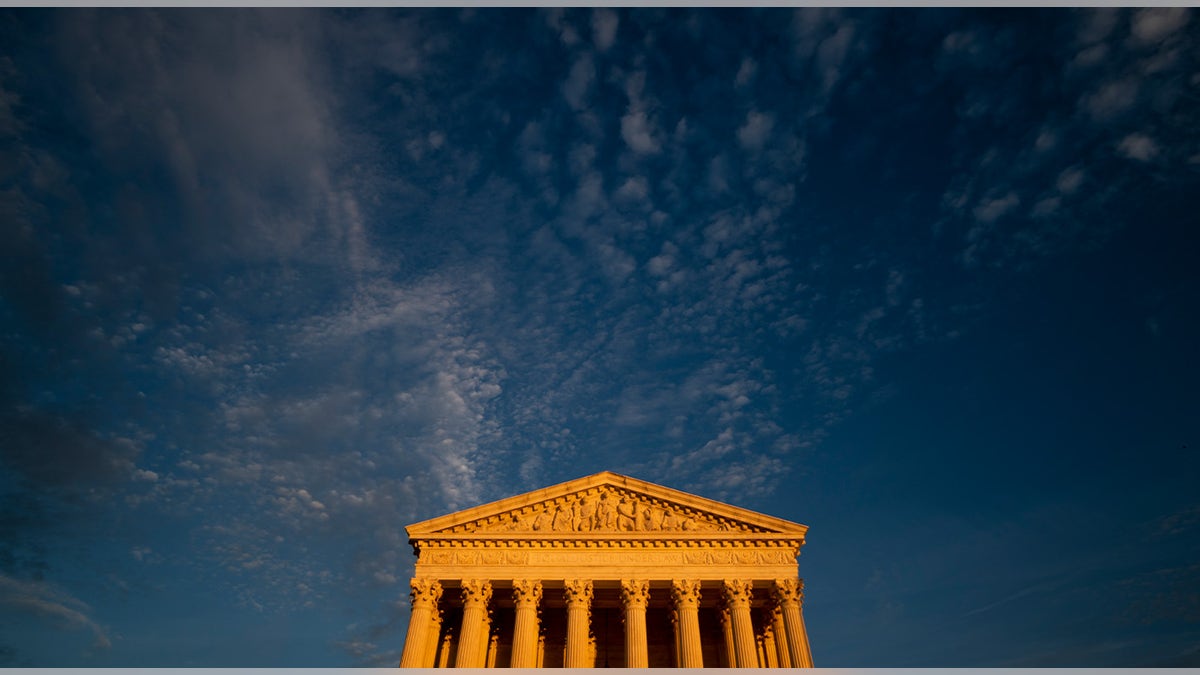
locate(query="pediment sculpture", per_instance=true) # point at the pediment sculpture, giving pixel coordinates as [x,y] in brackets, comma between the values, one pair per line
[602,510]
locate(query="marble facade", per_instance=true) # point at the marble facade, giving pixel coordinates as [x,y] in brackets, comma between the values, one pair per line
[606,571]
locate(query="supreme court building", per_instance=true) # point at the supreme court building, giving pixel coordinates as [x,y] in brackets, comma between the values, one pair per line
[606,571]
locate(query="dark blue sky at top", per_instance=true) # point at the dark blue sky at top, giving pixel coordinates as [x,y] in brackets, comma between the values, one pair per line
[275,284]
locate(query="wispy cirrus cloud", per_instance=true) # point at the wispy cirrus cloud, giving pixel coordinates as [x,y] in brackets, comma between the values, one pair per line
[46,602]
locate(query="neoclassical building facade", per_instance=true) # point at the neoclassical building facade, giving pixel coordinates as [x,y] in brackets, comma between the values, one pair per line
[606,571]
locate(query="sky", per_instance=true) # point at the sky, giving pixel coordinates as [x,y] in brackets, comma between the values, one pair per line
[275,284]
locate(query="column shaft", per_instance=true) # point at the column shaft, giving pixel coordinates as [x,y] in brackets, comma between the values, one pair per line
[780,635]
[526,596]
[493,648]
[675,640]
[435,630]
[472,640]
[635,595]
[737,596]
[578,594]
[686,593]
[727,633]
[770,655]
[425,595]
[790,595]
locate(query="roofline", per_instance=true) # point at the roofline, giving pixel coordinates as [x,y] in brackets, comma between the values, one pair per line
[427,529]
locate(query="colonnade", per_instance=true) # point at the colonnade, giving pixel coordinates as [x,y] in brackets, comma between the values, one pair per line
[781,640]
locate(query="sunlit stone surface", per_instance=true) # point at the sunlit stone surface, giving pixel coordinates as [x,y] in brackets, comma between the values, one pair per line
[606,571]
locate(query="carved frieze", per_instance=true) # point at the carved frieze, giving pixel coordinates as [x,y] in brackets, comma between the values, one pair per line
[603,509]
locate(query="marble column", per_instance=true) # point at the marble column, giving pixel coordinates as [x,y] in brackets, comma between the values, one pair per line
[738,593]
[789,593]
[492,650]
[425,595]
[578,594]
[686,595]
[768,645]
[447,648]
[472,639]
[727,633]
[770,658]
[635,595]
[526,597]
[675,653]
[486,643]
[435,630]
[775,612]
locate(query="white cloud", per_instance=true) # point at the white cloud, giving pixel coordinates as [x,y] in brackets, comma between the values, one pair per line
[556,20]
[578,82]
[746,72]
[1070,180]
[1111,98]
[45,601]
[990,210]
[249,138]
[755,131]
[634,189]
[1155,24]
[639,133]
[1138,146]
[604,28]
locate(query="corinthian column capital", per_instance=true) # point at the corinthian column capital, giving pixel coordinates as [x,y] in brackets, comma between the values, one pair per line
[685,592]
[526,592]
[635,592]
[738,592]
[425,592]
[577,592]
[788,592]
[476,592]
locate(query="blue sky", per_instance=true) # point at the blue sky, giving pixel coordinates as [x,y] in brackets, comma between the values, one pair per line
[274,284]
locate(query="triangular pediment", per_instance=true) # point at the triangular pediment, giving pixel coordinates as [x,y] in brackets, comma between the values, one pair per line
[604,503]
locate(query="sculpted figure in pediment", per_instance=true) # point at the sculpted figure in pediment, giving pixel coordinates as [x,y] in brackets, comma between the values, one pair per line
[606,513]
[587,514]
[603,511]
[561,521]
[542,521]
[627,515]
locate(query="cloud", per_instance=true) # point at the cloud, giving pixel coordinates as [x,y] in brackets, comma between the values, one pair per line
[1155,24]
[746,72]
[235,109]
[604,28]
[753,134]
[1138,146]
[1111,98]
[58,451]
[578,82]
[991,210]
[44,601]
[639,133]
